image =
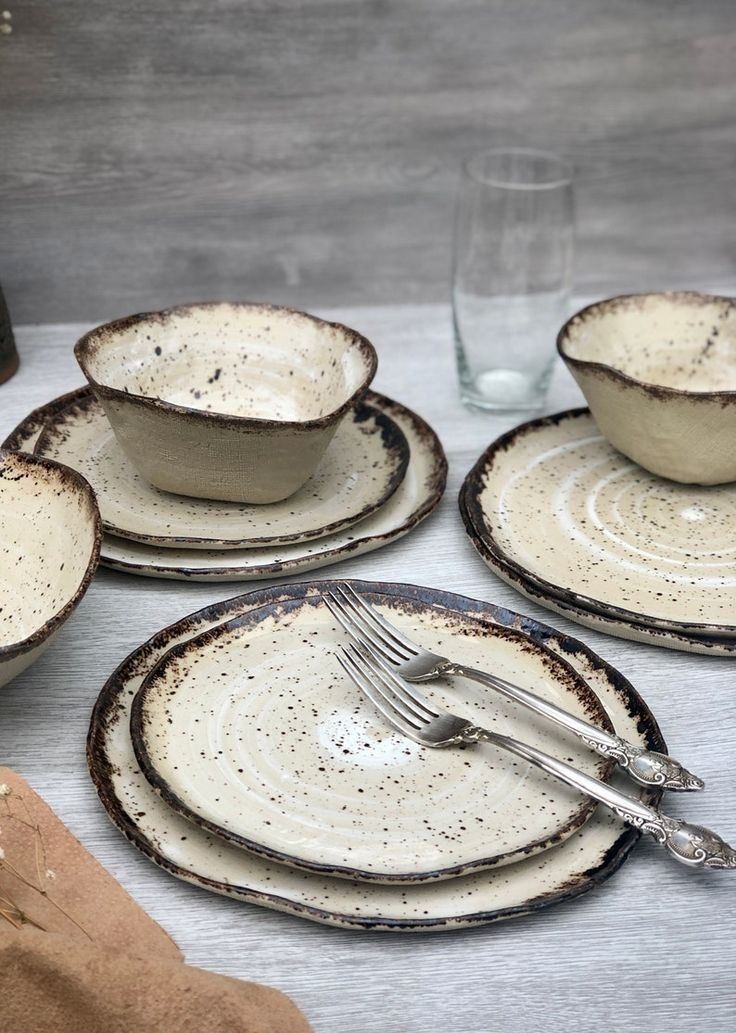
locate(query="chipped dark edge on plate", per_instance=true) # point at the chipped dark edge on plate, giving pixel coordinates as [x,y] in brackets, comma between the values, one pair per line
[469,495]
[695,644]
[392,438]
[107,706]
[73,482]
[32,424]
[559,668]
[94,340]
[433,487]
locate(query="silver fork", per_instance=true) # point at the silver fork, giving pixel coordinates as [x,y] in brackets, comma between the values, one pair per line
[416,664]
[413,715]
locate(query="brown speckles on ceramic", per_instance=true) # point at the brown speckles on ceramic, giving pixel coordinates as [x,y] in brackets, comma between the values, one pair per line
[49,546]
[253,731]
[227,401]
[416,497]
[565,511]
[577,865]
[361,469]
[659,374]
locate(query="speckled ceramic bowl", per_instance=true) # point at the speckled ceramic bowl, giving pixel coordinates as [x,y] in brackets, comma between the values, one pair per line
[659,374]
[50,536]
[236,402]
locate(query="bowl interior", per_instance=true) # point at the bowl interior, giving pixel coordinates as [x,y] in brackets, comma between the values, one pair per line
[683,341]
[47,537]
[241,360]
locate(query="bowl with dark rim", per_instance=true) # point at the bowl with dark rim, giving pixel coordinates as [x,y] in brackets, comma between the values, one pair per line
[659,374]
[50,534]
[226,400]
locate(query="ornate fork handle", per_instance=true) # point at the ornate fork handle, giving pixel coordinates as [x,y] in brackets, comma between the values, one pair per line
[645,766]
[690,844]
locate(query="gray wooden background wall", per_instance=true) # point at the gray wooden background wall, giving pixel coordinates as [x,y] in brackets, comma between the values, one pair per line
[306,152]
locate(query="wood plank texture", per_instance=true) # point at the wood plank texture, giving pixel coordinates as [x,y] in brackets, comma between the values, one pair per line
[652,948]
[307,152]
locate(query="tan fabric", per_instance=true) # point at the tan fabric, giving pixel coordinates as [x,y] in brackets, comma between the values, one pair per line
[56,984]
[77,953]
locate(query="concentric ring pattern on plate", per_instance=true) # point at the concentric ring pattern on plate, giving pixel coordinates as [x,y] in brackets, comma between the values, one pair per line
[255,732]
[589,857]
[363,466]
[566,511]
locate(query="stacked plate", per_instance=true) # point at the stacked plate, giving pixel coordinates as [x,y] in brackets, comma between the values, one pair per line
[382,474]
[232,750]
[574,525]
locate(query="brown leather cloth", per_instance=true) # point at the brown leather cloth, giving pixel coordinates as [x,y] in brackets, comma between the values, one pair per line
[77,953]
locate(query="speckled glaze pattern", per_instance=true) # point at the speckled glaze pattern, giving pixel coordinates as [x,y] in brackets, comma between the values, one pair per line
[586,859]
[413,501]
[617,541]
[361,469]
[228,401]
[49,547]
[254,732]
[659,374]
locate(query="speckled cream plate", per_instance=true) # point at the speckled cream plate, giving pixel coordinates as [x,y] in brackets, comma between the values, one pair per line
[583,861]
[416,497]
[573,517]
[254,732]
[363,466]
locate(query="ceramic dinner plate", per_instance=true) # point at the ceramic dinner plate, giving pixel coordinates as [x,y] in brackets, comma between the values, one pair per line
[254,732]
[574,518]
[363,466]
[584,860]
[416,497]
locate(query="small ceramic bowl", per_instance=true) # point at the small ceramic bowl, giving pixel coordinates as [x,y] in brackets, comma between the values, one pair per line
[236,402]
[659,374]
[50,537]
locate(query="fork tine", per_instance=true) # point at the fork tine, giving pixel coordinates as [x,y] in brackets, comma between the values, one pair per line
[357,631]
[363,659]
[382,705]
[384,627]
[408,695]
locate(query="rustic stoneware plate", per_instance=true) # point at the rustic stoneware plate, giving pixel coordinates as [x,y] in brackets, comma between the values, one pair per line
[363,466]
[569,513]
[415,498]
[49,546]
[617,626]
[589,857]
[254,732]
[223,400]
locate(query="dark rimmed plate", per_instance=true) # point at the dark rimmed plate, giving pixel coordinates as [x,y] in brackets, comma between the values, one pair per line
[586,859]
[552,498]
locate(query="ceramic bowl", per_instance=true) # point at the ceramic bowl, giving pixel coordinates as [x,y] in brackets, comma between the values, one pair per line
[235,402]
[50,537]
[659,374]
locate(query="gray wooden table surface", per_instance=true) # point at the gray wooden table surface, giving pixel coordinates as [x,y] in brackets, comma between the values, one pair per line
[653,947]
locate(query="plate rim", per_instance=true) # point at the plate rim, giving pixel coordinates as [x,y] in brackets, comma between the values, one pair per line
[168,793]
[100,767]
[364,409]
[470,491]
[662,637]
[432,492]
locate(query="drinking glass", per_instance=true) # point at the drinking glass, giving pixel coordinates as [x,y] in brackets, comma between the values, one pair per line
[512,275]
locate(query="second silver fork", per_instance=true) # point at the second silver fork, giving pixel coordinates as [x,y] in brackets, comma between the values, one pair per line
[414,663]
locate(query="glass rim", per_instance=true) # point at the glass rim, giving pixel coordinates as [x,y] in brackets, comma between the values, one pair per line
[564,177]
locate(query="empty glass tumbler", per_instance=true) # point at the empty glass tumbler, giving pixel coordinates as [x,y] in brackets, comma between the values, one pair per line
[512,275]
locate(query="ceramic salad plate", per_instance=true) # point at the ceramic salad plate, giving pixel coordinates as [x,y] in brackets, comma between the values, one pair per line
[616,541]
[416,497]
[254,732]
[363,466]
[584,860]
